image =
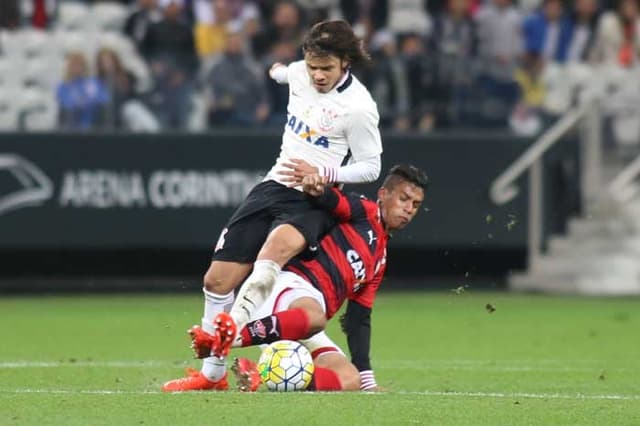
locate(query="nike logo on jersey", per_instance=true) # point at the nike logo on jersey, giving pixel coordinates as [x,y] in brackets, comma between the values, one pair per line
[302,130]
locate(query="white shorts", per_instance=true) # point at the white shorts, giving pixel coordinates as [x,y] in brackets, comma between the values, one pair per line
[288,288]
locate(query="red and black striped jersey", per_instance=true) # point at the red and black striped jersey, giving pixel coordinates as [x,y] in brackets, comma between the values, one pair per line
[351,259]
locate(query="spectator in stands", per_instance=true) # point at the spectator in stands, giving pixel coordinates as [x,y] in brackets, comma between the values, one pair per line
[499,38]
[82,99]
[527,115]
[453,47]
[171,39]
[317,10]
[285,24]
[500,46]
[137,24]
[547,32]
[211,37]
[409,17]
[243,14]
[369,14]
[583,22]
[40,13]
[170,52]
[283,52]
[125,110]
[618,36]
[420,74]
[388,81]
[238,95]
[10,16]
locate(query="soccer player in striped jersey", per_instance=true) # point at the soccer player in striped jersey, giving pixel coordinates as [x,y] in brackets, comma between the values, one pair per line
[349,265]
[331,129]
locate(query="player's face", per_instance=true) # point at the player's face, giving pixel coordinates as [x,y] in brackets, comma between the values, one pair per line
[325,71]
[400,204]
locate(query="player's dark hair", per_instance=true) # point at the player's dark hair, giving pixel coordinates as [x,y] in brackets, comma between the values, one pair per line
[407,173]
[335,38]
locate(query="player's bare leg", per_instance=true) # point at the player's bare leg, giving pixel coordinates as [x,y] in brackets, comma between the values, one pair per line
[346,372]
[283,243]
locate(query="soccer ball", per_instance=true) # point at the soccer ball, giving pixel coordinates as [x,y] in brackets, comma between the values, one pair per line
[285,366]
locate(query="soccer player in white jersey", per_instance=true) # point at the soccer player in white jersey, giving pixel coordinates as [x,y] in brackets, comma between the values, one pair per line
[331,129]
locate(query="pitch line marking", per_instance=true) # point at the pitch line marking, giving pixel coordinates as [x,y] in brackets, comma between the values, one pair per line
[497,395]
[497,366]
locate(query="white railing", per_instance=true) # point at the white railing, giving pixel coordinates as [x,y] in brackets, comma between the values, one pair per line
[587,115]
[622,187]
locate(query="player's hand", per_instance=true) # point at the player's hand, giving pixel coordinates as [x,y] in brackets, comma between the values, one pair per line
[297,170]
[314,184]
[274,67]
[376,389]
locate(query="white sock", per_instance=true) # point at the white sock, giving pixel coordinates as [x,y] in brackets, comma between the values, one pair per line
[254,291]
[213,367]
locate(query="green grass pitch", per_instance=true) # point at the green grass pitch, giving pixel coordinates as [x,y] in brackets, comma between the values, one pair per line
[443,358]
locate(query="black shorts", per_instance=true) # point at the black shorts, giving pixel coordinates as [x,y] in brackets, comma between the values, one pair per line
[268,205]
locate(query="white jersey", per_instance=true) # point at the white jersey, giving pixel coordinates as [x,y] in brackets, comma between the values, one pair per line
[327,129]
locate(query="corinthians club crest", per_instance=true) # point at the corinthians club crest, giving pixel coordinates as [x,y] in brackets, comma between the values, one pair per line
[327,118]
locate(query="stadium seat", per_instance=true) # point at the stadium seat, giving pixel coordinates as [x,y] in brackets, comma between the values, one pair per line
[36,43]
[109,16]
[11,72]
[69,41]
[73,16]
[8,109]
[12,43]
[38,109]
[118,42]
[43,72]
[138,67]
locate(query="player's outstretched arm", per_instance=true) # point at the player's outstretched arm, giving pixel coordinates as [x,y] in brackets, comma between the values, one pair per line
[344,207]
[279,72]
[356,324]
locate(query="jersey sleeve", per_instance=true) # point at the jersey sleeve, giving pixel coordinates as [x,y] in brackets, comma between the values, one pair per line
[346,208]
[363,134]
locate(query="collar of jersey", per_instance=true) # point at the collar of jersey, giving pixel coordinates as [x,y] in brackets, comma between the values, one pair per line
[346,82]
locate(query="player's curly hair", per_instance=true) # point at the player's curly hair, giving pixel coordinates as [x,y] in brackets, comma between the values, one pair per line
[405,172]
[335,38]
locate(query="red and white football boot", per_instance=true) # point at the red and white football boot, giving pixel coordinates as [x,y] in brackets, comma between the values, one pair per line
[247,375]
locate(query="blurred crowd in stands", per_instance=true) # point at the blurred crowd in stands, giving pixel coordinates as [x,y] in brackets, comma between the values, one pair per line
[151,65]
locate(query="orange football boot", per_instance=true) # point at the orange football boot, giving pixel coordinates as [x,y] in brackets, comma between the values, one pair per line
[226,331]
[201,342]
[195,381]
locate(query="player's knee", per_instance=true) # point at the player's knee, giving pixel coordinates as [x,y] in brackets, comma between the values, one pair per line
[212,283]
[223,277]
[317,322]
